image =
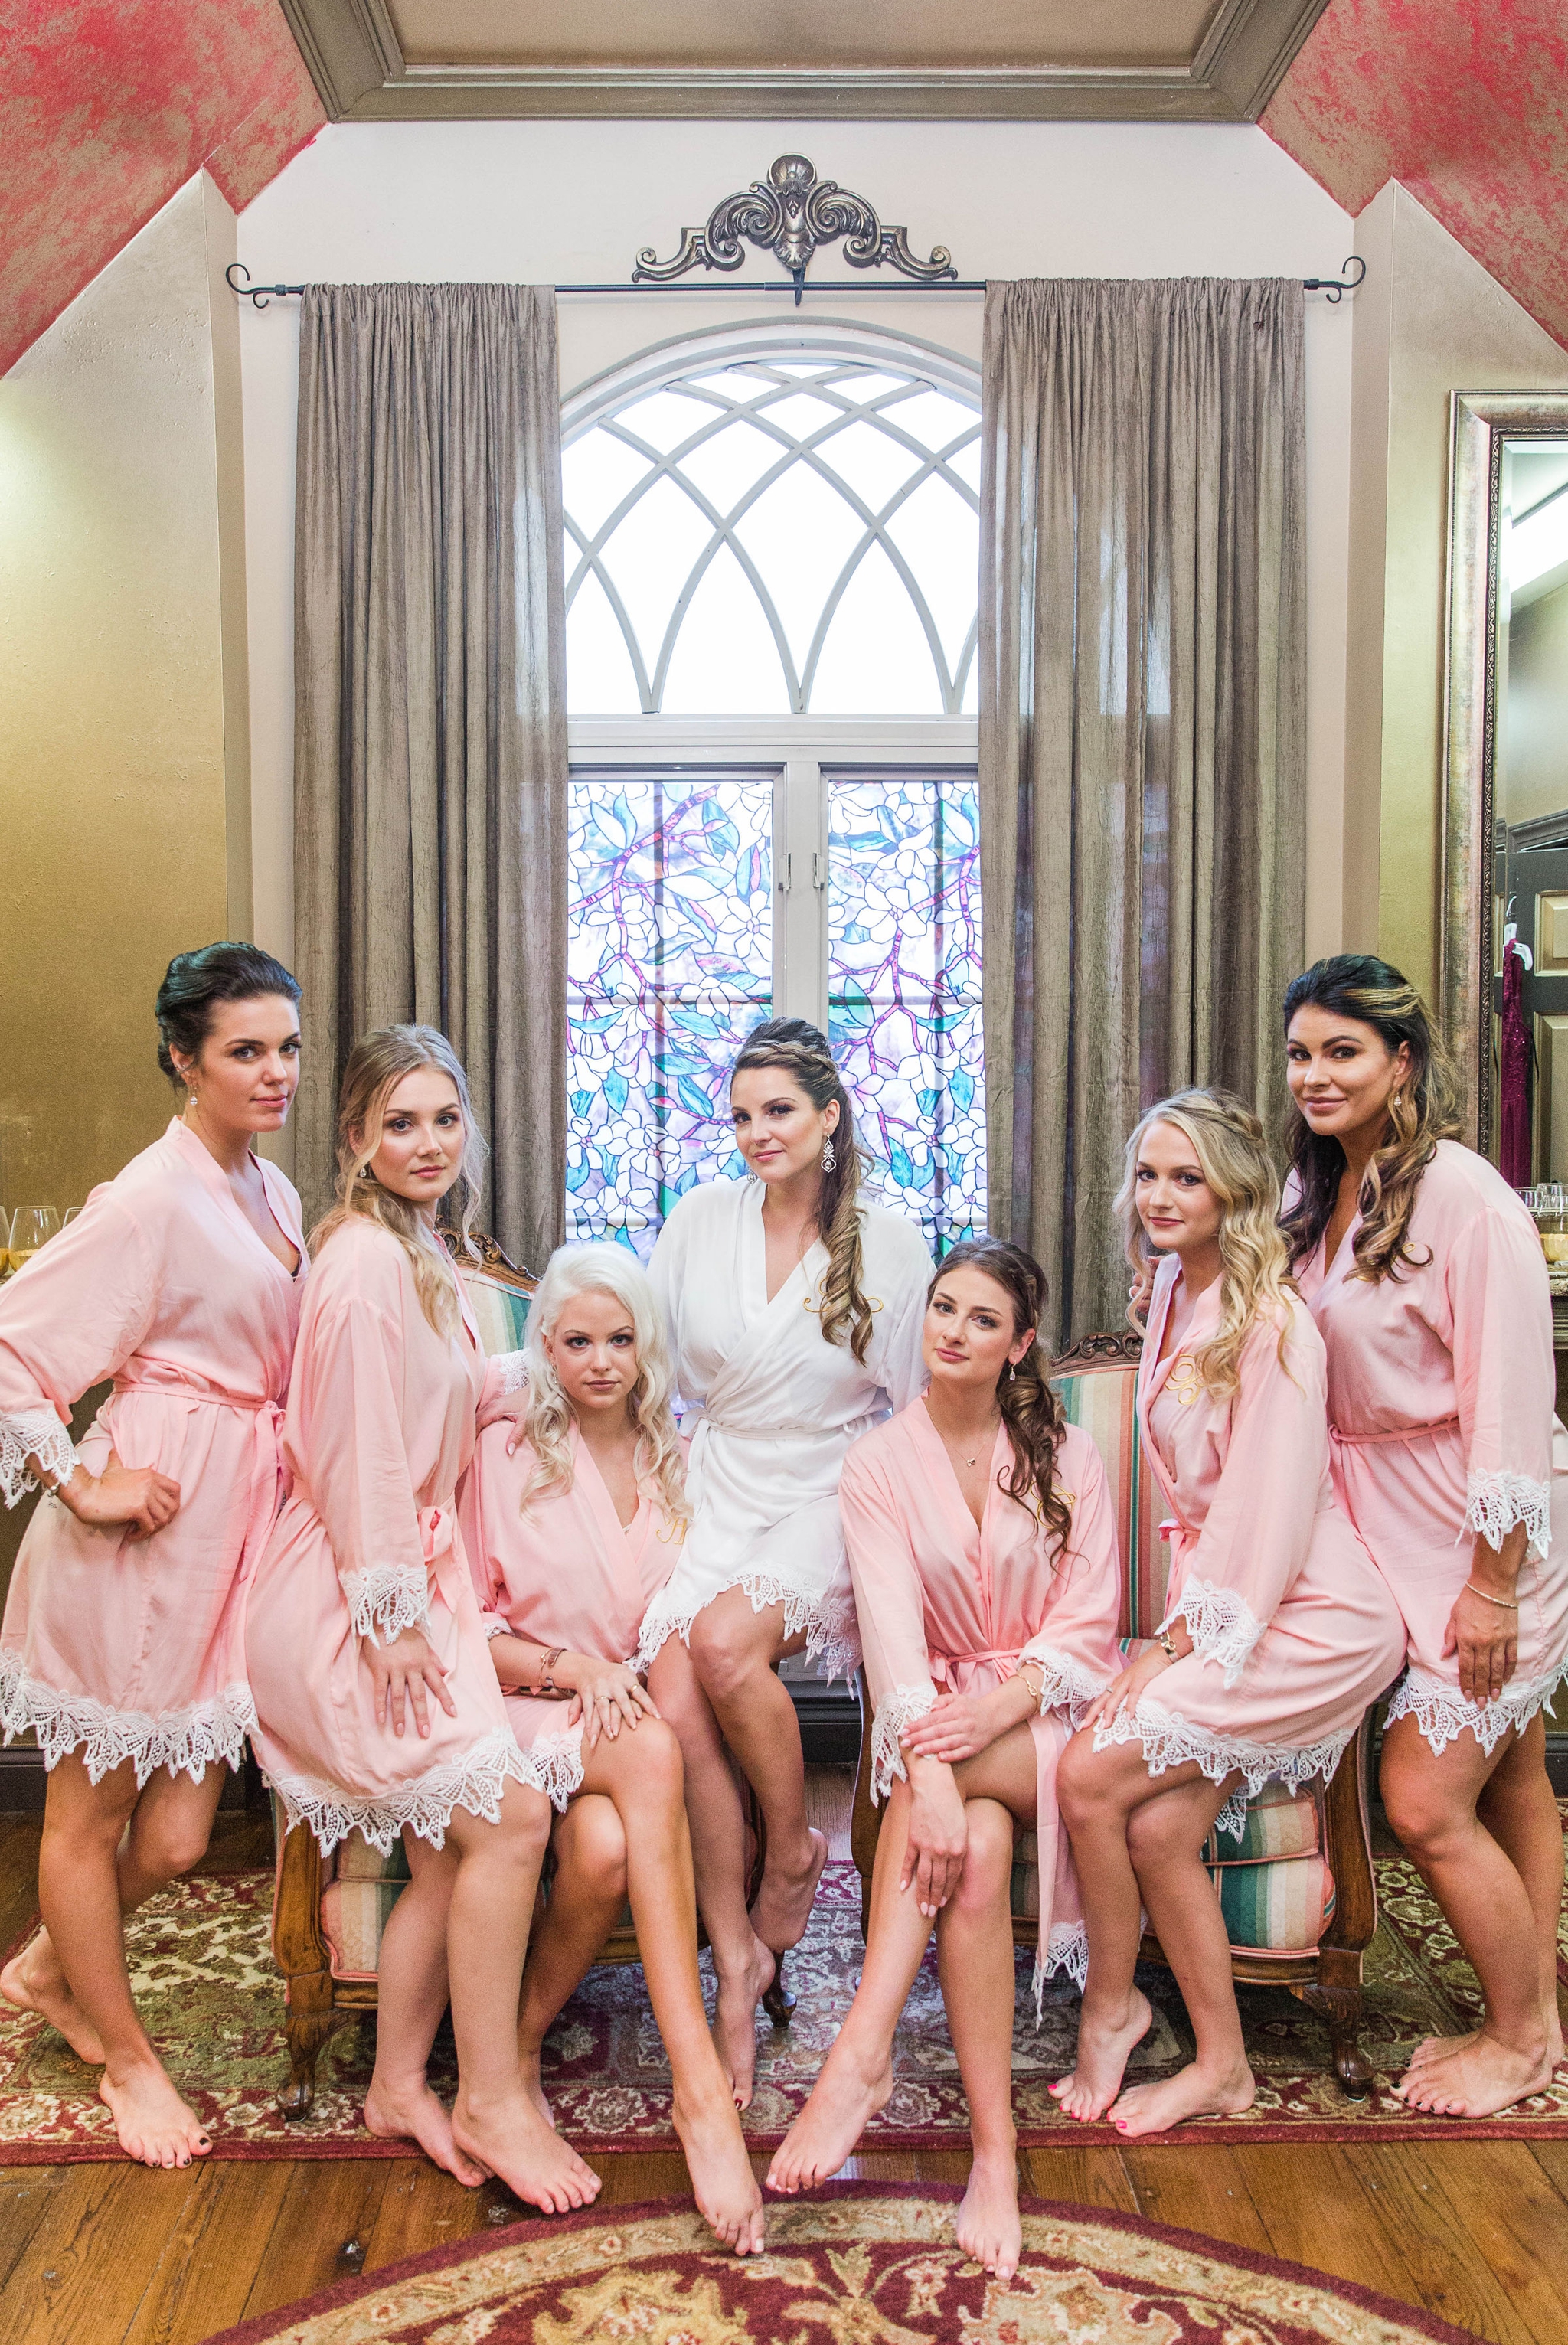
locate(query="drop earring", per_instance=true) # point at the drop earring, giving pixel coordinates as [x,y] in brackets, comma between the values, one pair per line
[829,1160]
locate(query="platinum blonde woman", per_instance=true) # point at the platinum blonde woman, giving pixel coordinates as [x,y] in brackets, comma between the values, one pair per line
[1278,1631]
[573,1514]
[379,1709]
[795,1312]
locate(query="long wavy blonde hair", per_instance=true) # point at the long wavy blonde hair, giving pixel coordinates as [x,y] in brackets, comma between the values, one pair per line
[1254,1273]
[1423,1108]
[802,1051]
[575,1270]
[377,1064]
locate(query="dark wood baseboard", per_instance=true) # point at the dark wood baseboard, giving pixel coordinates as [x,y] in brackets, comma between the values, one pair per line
[23,1778]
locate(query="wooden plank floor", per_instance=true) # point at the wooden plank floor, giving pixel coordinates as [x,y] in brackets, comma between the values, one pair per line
[1476,2232]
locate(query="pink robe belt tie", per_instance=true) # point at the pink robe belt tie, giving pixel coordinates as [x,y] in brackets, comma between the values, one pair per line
[941,1664]
[1400,1433]
[267,1465]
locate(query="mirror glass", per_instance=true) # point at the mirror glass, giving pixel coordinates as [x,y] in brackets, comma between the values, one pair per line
[1530,807]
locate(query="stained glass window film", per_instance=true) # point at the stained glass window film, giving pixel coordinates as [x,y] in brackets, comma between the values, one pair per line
[669,964]
[903,987]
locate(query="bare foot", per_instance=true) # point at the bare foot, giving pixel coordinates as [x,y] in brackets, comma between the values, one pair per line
[1194,2093]
[1476,2081]
[1443,2047]
[414,2113]
[735,2020]
[153,2123]
[988,2225]
[843,2102]
[528,2062]
[722,2181]
[34,1981]
[784,1902]
[1106,2045]
[515,2142]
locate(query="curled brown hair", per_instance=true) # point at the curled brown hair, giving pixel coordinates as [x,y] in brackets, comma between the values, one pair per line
[1029,1410]
[1423,1110]
[802,1051]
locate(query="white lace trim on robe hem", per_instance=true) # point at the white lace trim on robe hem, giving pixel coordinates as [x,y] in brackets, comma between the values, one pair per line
[513,1370]
[1496,1503]
[204,1734]
[833,1635]
[382,1603]
[425,1806]
[35,1432]
[894,1719]
[1170,1740]
[1066,1956]
[554,1765]
[1066,1683]
[1443,1714]
[1222,1628]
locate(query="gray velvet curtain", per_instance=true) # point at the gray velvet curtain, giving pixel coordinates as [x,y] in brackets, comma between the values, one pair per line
[430,737]
[1142,732]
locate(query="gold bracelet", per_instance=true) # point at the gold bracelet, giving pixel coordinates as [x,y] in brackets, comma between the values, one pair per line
[1504,1603]
[1021,1672]
[1167,1643]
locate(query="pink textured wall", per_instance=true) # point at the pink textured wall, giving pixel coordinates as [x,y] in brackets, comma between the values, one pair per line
[1465,102]
[107,106]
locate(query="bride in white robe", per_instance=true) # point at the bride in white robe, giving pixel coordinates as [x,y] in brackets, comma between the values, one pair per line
[795,1313]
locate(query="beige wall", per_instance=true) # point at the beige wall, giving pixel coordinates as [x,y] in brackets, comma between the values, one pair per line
[125,823]
[1429,320]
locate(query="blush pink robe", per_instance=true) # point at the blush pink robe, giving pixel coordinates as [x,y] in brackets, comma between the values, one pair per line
[565,1573]
[1441,1388]
[381,1425]
[133,1650]
[1294,1631]
[947,1604]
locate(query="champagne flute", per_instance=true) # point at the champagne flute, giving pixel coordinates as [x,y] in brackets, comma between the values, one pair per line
[31,1227]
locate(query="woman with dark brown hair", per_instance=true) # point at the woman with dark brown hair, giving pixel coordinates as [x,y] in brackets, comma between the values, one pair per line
[1425,1275]
[794,1309]
[982,1543]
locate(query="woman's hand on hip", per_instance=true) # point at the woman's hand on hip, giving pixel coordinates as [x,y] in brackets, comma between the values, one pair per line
[139,1497]
[404,1674]
[938,1834]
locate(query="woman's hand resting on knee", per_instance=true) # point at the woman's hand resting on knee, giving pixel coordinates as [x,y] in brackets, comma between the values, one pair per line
[403,1673]
[1125,1693]
[611,1694]
[938,1834]
[962,1725]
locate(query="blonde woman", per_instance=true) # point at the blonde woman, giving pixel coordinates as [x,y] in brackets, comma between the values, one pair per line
[1425,1275]
[572,1517]
[1278,1630]
[795,1311]
[378,1707]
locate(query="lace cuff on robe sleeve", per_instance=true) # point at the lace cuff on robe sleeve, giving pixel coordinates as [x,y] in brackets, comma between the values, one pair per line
[382,1603]
[496,1625]
[1065,1683]
[893,1720]
[35,1433]
[1497,1503]
[512,1371]
[1223,1628]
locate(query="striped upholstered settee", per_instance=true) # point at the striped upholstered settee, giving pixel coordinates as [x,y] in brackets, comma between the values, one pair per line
[1296,1893]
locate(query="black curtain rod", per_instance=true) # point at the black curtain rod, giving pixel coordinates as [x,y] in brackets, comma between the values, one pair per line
[1334,287]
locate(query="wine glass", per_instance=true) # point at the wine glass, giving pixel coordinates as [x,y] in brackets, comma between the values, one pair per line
[31,1227]
[69,1215]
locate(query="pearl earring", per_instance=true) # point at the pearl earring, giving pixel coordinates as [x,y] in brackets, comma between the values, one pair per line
[828,1159]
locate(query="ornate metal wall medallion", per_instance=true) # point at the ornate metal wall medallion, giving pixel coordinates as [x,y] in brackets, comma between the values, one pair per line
[790,214]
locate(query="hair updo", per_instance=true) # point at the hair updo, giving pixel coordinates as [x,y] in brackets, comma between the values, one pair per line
[801,1050]
[195,983]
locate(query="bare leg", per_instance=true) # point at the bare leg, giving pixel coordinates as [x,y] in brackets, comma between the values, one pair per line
[641,1772]
[1518,1809]
[1166,1837]
[586,1897]
[410,1997]
[493,2122]
[735,1648]
[742,1965]
[974,1957]
[1431,1805]
[78,1892]
[171,1826]
[857,2075]
[1116,2016]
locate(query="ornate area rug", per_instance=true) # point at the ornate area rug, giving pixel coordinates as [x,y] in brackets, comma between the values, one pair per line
[204,1979]
[868,2262]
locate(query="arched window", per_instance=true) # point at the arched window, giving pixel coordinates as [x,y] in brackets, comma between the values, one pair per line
[772,574]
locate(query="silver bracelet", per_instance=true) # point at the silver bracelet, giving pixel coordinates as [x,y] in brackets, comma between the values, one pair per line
[1504,1603]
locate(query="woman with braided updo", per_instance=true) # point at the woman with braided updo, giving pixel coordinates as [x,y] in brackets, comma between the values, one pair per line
[794,1312]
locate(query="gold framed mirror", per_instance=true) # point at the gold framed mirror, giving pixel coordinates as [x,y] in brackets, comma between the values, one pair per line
[1506,775]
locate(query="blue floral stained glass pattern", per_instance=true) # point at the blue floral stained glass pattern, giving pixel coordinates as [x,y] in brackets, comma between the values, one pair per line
[904,987]
[669,963]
